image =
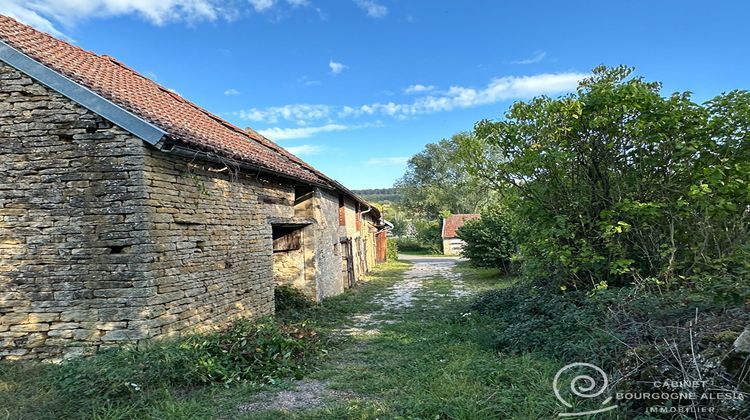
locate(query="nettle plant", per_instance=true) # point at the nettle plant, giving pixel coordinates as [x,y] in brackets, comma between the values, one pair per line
[617,183]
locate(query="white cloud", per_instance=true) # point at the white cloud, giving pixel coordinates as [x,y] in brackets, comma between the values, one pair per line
[336,68]
[305,149]
[418,88]
[539,56]
[262,5]
[387,161]
[232,92]
[49,15]
[277,133]
[305,80]
[456,97]
[42,13]
[373,8]
[295,112]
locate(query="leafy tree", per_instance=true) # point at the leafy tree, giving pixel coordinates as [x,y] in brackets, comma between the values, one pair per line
[489,240]
[437,180]
[617,183]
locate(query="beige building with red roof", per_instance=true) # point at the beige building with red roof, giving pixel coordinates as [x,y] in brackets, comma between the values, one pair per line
[452,245]
[129,213]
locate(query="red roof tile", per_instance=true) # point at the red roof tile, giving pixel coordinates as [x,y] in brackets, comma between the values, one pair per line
[184,121]
[454,222]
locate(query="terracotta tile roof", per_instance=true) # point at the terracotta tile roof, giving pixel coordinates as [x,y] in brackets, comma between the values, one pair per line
[454,222]
[185,122]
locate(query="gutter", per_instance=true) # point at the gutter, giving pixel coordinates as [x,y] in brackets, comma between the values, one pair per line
[210,157]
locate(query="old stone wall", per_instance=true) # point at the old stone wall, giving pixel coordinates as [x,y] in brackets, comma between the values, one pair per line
[104,240]
[327,251]
[213,256]
[73,233]
[289,270]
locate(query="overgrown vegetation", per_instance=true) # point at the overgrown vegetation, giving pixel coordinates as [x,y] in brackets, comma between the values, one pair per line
[128,381]
[288,298]
[639,338]
[391,252]
[618,184]
[490,240]
[627,213]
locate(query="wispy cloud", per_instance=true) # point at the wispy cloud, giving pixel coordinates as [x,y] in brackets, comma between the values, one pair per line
[277,133]
[456,97]
[539,56]
[373,8]
[418,88]
[305,80]
[336,68]
[387,161]
[50,15]
[262,5]
[305,149]
[42,13]
[231,92]
[297,112]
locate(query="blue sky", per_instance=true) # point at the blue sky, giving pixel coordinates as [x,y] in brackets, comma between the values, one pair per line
[355,87]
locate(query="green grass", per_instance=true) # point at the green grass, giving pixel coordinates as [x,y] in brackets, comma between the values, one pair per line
[433,362]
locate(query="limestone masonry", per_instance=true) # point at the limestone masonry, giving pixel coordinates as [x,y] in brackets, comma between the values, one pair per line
[106,238]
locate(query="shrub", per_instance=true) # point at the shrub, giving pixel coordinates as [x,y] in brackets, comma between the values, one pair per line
[559,325]
[258,351]
[489,240]
[391,252]
[429,235]
[290,298]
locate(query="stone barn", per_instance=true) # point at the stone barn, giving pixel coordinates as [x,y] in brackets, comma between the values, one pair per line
[129,213]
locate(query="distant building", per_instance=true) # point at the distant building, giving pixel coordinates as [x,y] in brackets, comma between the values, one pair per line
[452,245]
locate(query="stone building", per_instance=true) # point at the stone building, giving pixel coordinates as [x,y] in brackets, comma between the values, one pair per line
[128,213]
[452,244]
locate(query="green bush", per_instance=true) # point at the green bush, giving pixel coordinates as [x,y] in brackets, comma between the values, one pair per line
[559,325]
[391,252]
[429,235]
[257,351]
[406,244]
[290,298]
[619,183]
[489,240]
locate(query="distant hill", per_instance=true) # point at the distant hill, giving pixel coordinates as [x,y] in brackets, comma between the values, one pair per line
[380,194]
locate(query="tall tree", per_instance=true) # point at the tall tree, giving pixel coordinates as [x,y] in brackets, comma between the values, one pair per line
[437,182]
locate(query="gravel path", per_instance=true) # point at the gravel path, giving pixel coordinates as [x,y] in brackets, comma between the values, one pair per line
[403,294]
[309,394]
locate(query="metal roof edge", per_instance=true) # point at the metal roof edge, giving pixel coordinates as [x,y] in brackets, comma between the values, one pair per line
[81,95]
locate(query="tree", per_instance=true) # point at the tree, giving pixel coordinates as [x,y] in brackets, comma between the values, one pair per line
[437,180]
[617,183]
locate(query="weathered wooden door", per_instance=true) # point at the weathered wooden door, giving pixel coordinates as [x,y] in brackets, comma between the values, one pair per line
[347,262]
